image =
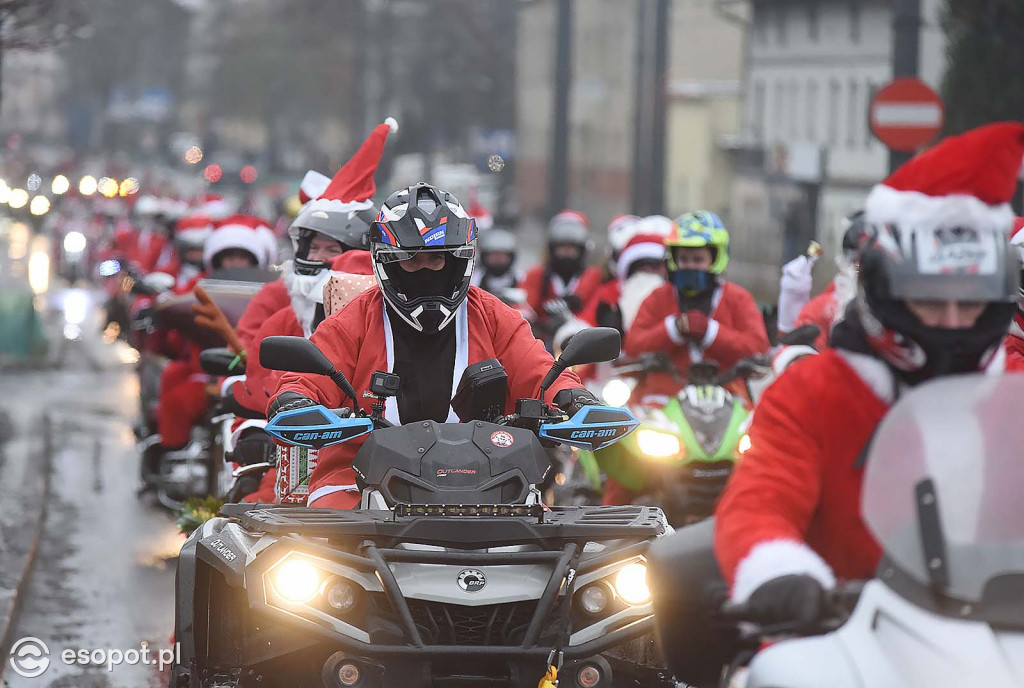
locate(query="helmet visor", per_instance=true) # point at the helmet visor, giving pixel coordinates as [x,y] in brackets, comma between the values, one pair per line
[949,264]
[390,254]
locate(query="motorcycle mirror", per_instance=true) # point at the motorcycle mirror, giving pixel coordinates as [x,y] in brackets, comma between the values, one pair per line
[299,355]
[592,345]
[803,335]
[220,361]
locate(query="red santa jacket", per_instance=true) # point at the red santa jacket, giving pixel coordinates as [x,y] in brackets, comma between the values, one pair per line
[540,290]
[735,331]
[271,298]
[608,294]
[357,339]
[820,311]
[793,502]
[1014,346]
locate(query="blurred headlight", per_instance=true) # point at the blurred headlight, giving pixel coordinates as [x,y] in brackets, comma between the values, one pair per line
[744,445]
[296,579]
[616,392]
[631,584]
[657,444]
[74,242]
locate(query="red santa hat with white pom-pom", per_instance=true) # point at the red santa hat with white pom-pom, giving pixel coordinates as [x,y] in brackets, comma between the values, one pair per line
[352,188]
[964,181]
[246,232]
[640,247]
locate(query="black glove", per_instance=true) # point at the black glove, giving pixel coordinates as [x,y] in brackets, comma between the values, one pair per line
[574,302]
[796,599]
[255,446]
[572,400]
[287,401]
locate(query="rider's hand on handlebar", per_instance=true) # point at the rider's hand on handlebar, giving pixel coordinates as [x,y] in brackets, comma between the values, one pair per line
[288,401]
[692,325]
[572,400]
[798,599]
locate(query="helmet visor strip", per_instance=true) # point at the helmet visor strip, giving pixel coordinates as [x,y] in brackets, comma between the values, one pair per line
[389,254]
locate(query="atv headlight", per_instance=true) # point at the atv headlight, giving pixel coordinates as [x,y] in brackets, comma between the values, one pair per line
[656,444]
[616,392]
[296,579]
[340,596]
[631,584]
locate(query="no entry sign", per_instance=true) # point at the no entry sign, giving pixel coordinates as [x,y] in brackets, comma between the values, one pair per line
[906,114]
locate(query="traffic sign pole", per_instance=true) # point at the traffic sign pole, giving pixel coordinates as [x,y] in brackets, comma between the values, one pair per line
[906,42]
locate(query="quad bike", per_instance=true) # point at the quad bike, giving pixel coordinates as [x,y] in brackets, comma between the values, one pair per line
[450,573]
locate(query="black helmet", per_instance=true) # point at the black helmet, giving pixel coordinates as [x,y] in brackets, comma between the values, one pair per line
[347,226]
[934,264]
[423,218]
[854,234]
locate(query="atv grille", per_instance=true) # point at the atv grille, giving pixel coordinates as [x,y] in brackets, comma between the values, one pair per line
[453,624]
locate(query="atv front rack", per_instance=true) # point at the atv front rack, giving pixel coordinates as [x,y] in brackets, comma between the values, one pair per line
[389,528]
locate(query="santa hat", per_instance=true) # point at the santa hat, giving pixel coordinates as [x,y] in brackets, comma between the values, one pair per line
[193,229]
[621,230]
[966,180]
[353,188]
[570,216]
[312,186]
[213,205]
[484,219]
[640,247]
[246,232]
[1017,235]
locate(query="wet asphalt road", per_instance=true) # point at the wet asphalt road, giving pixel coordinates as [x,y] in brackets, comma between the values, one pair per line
[104,577]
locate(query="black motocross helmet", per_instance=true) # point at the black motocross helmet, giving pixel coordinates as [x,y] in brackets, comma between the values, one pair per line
[423,218]
[934,264]
[335,220]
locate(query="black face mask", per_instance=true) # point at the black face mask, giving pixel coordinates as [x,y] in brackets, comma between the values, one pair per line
[566,268]
[425,283]
[495,267]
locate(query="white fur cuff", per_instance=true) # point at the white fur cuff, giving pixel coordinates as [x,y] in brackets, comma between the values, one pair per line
[775,558]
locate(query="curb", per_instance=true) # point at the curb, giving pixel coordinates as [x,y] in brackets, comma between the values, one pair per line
[9,620]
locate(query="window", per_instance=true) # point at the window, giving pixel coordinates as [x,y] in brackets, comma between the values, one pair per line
[812,111]
[794,107]
[855,20]
[758,114]
[833,113]
[780,23]
[871,89]
[812,20]
[853,114]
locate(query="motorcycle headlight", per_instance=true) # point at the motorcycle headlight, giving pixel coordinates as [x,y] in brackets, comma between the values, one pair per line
[296,579]
[657,444]
[616,392]
[631,584]
[744,445]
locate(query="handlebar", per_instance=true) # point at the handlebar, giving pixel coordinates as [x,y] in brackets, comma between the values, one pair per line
[838,605]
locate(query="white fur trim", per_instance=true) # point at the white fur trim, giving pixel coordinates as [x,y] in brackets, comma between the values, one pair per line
[392,124]
[631,254]
[787,355]
[314,184]
[911,208]
[329,490]
[997,365]
[774,558]
[873,372]
[235,236]
[673,332]
[336,206]
[711,335]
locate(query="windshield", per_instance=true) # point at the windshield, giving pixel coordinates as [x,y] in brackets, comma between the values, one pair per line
[962,433]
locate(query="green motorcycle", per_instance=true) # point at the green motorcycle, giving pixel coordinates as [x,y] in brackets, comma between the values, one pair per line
[683,452]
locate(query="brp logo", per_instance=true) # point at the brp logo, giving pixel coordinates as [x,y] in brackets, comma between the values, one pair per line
[30,657]
[472,580]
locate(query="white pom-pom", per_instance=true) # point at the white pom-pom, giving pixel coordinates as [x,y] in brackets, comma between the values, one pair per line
[392,124]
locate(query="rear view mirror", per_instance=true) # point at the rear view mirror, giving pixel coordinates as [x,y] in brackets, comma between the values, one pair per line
[219,362]
[592,345]
[295,355]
